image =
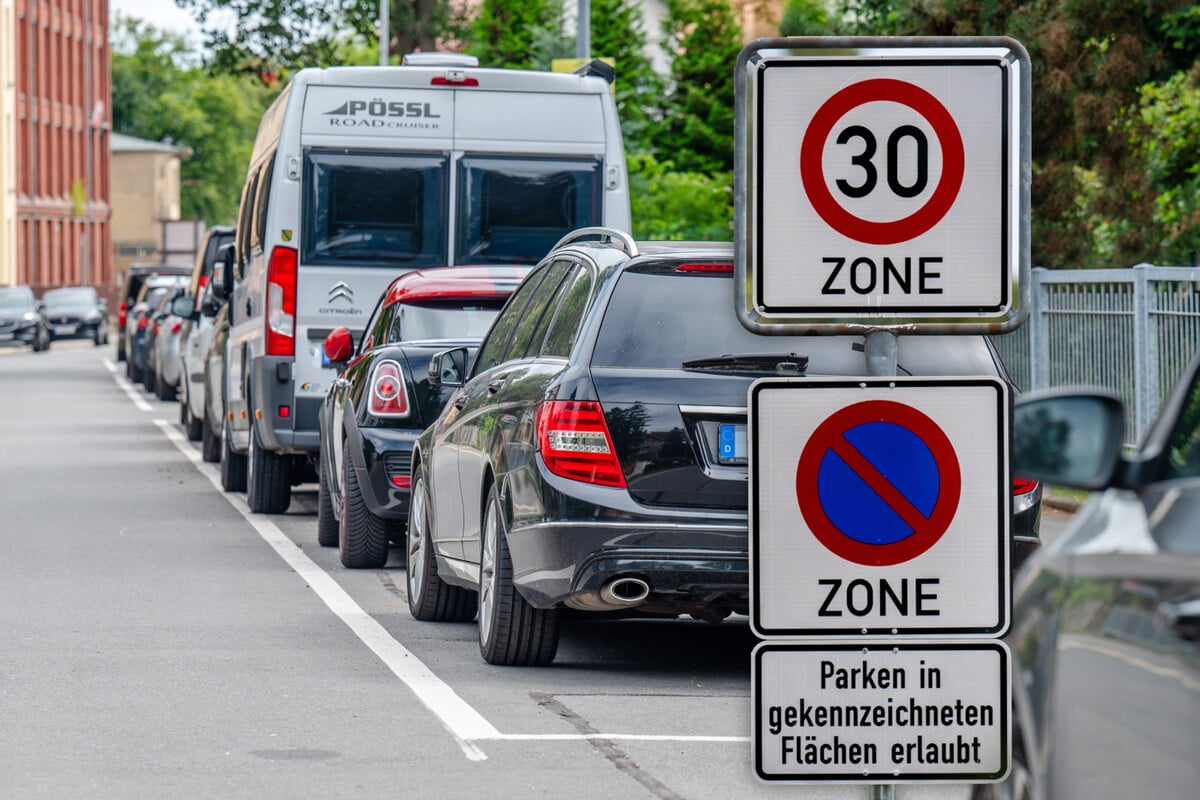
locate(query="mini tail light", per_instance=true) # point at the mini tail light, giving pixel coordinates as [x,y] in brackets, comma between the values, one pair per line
[402,481]
[1024,485]
[176,326]
[574,441]
[281,302]
[389,398]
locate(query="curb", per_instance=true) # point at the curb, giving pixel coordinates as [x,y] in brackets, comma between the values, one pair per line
[1061,502]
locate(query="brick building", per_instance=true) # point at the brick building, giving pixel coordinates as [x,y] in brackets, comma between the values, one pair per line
[55,76]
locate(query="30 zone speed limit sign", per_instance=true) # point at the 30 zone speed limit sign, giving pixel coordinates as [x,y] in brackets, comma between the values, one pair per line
[883,184]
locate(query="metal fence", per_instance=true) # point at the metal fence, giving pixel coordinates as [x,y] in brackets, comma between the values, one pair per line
[1128,330]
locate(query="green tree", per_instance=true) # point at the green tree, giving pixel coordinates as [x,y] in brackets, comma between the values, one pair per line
[284,35]
[672,205]
[161,93]
[506,32]
[1094,200]
[704,40]
[805,18]
[618,32]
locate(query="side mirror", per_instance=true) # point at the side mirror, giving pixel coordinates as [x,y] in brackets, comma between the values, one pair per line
[1070,438]
[103,303]
[338,347]
[222,277]
[448,368]
[183,307]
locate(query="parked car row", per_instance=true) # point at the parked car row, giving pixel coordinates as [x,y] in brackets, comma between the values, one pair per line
[71,312]
[537,441]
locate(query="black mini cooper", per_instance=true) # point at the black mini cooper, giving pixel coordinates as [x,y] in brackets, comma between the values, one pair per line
[594,454]
[382,399]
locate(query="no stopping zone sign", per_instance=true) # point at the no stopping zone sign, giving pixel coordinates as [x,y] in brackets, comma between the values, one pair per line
[883,186]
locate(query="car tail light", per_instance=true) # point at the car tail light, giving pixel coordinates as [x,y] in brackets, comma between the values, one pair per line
[122,314]
[389,398]
[281,302]
[1024,486]
[142,323]
[157,326]
[575,443]
[177,326]
[706,268]
[202,284]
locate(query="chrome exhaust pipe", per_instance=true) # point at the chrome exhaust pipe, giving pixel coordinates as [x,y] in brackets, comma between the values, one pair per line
[625,592]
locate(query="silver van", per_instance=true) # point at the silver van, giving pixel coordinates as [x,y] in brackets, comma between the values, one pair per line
[361,173]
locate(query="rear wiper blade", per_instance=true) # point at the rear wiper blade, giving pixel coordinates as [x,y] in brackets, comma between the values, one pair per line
[770,363]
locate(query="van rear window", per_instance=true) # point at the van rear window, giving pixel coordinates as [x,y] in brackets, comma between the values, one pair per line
[514,210]
[374,209]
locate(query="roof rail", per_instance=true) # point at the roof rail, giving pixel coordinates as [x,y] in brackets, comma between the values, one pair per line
[609,234]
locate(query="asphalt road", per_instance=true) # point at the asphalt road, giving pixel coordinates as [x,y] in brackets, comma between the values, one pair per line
[158,639]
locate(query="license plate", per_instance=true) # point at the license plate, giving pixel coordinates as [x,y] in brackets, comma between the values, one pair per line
[731,444]
[64,330]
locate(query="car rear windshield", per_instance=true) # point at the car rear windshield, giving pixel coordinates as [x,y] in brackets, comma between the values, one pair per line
[449,320]
[659,320]
[514,210]
[383,209]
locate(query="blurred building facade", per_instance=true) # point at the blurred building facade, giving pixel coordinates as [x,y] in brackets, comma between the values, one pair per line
[54,188]
[145,196]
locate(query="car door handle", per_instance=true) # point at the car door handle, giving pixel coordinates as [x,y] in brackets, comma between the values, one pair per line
[495,385]
[460,401]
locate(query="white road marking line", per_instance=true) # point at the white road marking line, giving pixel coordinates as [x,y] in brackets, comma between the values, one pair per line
[109,365]
[131,392]
[460,719]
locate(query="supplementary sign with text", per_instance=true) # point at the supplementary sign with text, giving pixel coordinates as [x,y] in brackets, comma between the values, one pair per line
[926,711]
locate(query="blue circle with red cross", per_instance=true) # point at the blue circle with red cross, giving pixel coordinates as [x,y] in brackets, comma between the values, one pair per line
[878,483]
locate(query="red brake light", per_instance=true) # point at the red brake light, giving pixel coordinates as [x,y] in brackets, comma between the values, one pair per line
[708,268]
[1024,485]
[202,284]
[281,302]
[142,322]
[574,441]
[122,314]
[176,326]
[454,79]
[389,398]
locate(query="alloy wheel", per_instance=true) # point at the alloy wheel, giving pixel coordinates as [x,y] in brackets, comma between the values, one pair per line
[487,572]
[418,540]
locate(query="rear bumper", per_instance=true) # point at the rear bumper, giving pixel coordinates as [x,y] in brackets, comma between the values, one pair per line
[379,455]
[286,423]
[686,564]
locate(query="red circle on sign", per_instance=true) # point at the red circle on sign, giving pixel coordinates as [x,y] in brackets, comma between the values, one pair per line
[812,172]
[829,436]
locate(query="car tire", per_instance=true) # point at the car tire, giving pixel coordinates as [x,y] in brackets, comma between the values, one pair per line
[362,536]
[210,443]
[511,631]
[120,354]
[268,485]
[193,426]
[163,390]
[430,599]
[327,522]
[233,463]
[99,338]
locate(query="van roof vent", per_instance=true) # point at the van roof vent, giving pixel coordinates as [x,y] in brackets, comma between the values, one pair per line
[439,59]
[599,69]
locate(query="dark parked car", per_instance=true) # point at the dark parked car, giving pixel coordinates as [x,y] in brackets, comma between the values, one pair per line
[77,312]
[140,322]
[135,277]
[23,319]
[383,399]
[580,464]
[1106,620]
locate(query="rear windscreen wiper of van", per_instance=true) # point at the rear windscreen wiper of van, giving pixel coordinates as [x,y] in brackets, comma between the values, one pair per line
[758,363]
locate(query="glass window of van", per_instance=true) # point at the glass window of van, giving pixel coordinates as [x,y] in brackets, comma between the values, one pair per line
[385,209]
[515,209]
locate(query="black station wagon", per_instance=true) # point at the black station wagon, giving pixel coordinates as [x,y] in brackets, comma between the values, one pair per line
[594,457]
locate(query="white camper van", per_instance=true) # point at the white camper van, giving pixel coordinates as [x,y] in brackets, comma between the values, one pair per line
[361,173]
